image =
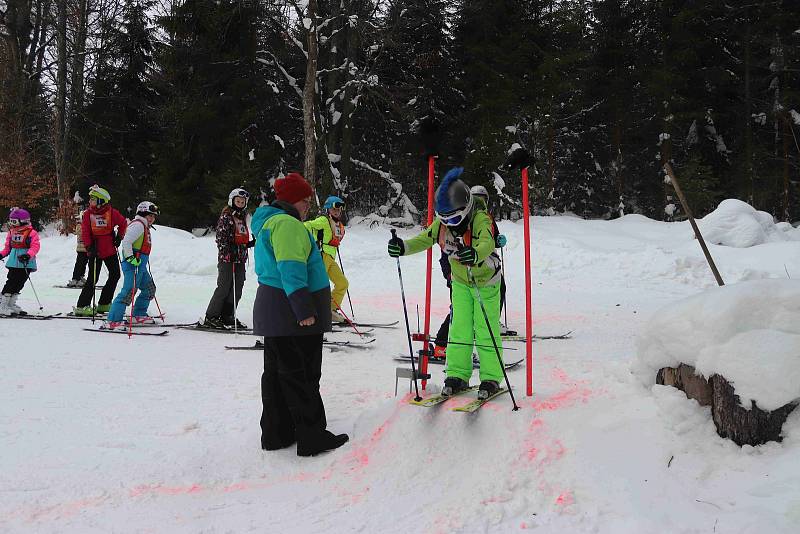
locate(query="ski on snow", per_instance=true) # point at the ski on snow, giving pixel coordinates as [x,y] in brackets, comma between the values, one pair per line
[31,316]
[473,406]
[438,399]
[368,325]
[76,287]
[566,335]
[347,344]
[125,332]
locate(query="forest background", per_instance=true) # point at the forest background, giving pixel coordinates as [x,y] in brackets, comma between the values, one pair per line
[179,101]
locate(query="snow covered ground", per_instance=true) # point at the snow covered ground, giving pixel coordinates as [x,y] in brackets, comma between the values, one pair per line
[99,433]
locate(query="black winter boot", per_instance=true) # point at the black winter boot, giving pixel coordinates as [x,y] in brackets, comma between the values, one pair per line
[323,442]
[453,385]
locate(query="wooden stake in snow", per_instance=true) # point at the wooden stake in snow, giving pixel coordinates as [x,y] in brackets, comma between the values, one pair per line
[698,235]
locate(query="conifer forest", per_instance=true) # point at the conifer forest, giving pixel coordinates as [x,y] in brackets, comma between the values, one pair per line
[179,101]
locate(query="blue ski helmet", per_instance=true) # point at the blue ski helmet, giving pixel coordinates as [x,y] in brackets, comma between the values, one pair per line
[453,198]
[333,202]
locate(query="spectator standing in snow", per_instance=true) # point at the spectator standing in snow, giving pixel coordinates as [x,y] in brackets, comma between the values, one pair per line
[292,311]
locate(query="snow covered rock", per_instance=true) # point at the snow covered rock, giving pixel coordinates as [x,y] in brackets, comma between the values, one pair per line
[744,338]
[737,224]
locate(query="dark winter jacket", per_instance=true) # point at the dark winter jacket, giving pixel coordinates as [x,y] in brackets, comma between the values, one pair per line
[292,282]
[228,250]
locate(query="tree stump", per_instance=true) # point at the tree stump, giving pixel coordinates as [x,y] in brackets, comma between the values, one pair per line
[752,427]
[684,378]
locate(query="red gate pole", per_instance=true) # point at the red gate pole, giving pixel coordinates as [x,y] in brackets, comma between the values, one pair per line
[423,362]
[526,214]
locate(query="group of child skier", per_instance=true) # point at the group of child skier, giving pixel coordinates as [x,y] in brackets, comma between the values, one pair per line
[463,229]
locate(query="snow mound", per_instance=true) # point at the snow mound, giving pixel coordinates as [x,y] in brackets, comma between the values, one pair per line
[737,224]
[747,332]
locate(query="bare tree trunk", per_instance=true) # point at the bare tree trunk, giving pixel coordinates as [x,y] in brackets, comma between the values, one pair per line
[38,30]
[78,68]
[786,133]
[59,129]
[348,107]
[748,115]
[43,37]
[310,98]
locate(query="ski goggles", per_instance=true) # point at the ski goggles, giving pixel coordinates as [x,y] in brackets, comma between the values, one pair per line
[452,220]
[337,204]
[18,222]
[240,193]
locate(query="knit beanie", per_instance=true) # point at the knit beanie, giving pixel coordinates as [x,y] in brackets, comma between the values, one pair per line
[292,188]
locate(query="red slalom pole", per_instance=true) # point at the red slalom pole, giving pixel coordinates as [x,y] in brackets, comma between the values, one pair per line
[423,362]
[526,225]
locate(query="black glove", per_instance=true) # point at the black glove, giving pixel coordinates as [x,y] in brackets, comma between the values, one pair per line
[24,258]
[89,250]
[117,240]
[396,247]
[467,256]
[251,243]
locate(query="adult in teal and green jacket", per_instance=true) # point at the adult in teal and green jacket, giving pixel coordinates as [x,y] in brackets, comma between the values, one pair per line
[463,230]
[292,311]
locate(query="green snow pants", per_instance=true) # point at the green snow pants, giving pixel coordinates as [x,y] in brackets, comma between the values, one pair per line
[468,326]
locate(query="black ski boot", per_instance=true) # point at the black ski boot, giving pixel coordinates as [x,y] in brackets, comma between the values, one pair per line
[453,385]
[487,389]
[213,322]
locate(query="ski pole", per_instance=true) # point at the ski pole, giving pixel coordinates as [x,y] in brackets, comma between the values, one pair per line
[408,328]
[28,275]
[503,274]
[160,313]
[233,276]
[95,276]
[346,318]
[489,326]
[341,266]
[133,294]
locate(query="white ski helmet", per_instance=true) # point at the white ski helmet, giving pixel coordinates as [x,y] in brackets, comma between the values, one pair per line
[238,192]
[146,208]
[480,191]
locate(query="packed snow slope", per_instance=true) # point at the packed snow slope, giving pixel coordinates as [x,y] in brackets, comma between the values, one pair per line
[99,433]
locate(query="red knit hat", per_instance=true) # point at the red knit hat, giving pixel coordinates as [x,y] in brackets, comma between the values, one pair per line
[292,188]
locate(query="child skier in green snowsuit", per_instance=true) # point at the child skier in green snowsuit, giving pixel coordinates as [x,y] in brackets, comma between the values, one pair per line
[463,230]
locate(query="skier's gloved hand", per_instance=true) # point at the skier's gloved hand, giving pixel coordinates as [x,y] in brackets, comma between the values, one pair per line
[133,260]
[90,250]
[2,257]
[467,256]
[396,247]
[251,243]
[117,240]
[501,241]
[24,258]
